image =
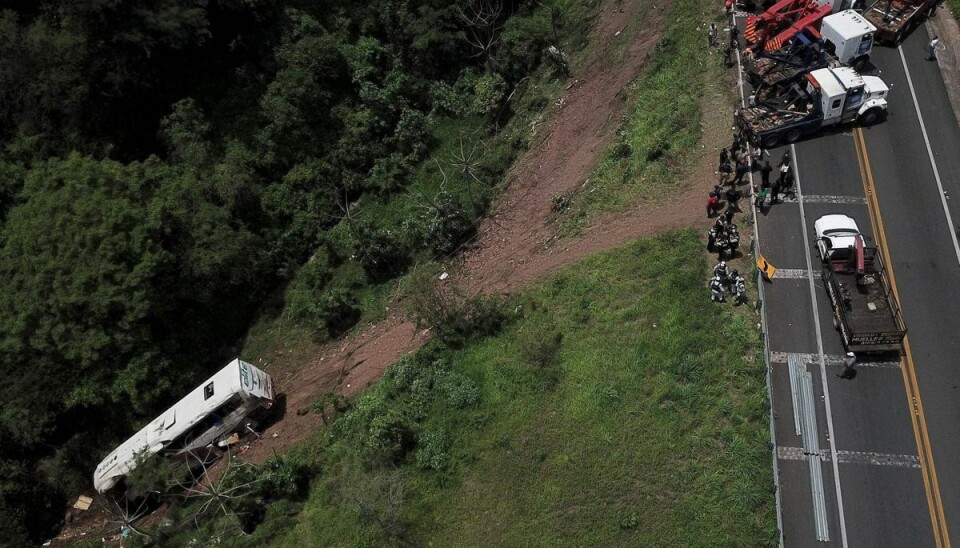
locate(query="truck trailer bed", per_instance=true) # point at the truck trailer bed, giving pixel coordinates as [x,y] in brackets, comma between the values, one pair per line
[891,27]
[868,307]
[868,319]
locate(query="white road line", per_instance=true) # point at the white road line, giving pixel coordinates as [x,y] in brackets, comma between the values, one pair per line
[763,319]
[795,274]
[853,457]
[819,199]
[833,359]
[823,365]
[933,163]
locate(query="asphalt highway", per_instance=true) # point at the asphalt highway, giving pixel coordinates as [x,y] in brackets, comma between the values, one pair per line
[885,442]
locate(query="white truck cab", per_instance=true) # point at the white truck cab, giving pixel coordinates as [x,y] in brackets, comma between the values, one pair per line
[846,96]
[849,37]
[835,233]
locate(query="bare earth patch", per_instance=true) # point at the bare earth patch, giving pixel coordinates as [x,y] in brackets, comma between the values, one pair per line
[944,25]
[518,243]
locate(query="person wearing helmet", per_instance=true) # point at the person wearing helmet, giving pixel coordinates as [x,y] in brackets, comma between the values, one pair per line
[716,290]
[721,270]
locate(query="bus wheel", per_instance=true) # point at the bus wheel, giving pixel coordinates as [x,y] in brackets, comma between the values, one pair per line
[794,135]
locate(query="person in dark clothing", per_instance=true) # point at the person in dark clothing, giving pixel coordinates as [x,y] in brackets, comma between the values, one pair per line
[775,192]
[728,215]
[765,173]
[785,160]
[787,186]
[733,239]
[733,199]
[716,290]
[712,240]
[723,245]
[784,170]
[720,225]
[740,173]
[848,370]
[724,158]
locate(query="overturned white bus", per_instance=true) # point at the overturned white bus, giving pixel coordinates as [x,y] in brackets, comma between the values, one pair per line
[206,416]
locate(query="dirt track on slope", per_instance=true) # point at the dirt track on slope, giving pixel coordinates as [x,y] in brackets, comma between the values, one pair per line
[514,245]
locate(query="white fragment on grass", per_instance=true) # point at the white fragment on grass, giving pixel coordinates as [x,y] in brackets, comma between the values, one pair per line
[444,276]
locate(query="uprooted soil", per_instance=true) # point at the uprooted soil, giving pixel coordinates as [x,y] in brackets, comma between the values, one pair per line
[517,243]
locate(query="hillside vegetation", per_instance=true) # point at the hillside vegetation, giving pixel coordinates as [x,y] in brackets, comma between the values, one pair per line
[609,405]
[168,166]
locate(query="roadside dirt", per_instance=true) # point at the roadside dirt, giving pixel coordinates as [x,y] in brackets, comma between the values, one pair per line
[945,25]
[517,243]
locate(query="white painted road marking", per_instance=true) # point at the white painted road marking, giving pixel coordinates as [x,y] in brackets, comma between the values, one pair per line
[823,365]
[853,457]
[933,163]
[834,359]
[823,199]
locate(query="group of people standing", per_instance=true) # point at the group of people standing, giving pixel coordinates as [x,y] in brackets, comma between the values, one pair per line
[723,237]
[725,281]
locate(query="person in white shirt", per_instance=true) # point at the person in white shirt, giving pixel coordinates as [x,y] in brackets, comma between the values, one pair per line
[932,48]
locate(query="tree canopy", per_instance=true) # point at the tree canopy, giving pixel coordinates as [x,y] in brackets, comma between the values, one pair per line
[166,164]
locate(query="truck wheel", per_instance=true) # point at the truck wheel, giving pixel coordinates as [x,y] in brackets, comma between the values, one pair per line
[771,141]
[871,116]
[794,135]
[860,62]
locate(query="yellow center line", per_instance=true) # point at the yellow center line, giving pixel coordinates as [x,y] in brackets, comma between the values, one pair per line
[930,484]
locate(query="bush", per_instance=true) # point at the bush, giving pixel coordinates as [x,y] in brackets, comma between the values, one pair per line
[432,447]
[490,91]
[453,315]
[381,251]
[444,227]
[459,390]
[312,301]
[539,346]
[389,436]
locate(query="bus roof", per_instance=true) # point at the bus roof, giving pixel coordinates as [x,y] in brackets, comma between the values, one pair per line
[238,377]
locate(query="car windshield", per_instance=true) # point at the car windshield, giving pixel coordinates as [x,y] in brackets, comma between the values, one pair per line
[840,232]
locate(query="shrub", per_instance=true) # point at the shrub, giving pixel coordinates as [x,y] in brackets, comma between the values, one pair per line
[489,94]
[459,390]
[539,346]
[432,447]
[381,251]
[389,436]
[444,227]
[453,315]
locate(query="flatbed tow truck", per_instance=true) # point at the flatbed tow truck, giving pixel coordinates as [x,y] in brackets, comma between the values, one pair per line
[865,311]
[843,39]
[824,97]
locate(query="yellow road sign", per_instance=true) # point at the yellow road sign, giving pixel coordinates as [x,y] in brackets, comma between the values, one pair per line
[768,269]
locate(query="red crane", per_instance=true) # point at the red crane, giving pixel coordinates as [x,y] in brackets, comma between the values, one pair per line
[775,27]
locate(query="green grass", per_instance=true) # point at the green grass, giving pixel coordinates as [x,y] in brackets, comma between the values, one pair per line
[283,344]
[648,427]
[655,144]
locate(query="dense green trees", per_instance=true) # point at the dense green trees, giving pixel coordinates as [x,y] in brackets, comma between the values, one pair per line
[165,164]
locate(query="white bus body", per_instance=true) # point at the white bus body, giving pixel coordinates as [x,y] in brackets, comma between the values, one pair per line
[208,413]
